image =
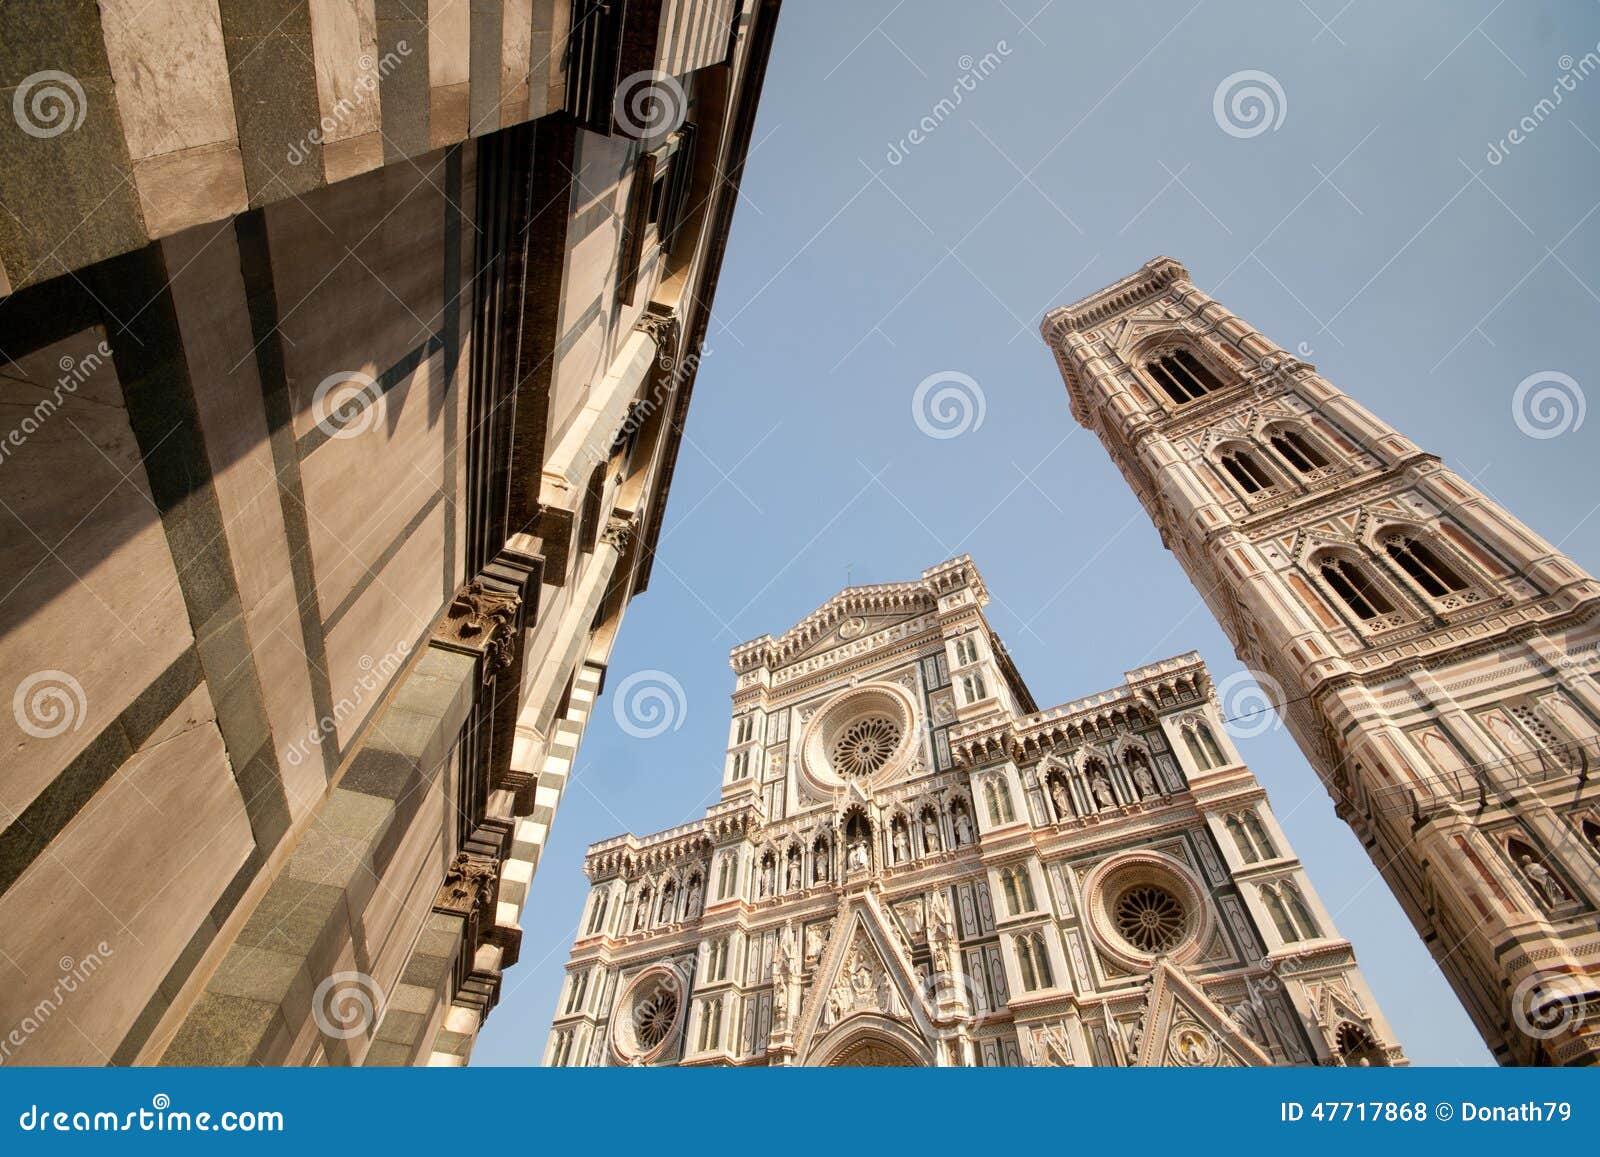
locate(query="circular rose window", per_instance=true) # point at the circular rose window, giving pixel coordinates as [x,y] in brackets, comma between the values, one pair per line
[1144,905]
[648,1016]
[865,746]
[863,733]
[1150,918]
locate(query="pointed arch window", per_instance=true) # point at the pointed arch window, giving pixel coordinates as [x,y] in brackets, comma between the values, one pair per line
[1033,961]
[1354,586]
[1247,849]
[1297,450]
[1301,911]
[1258,835]
[1182,376]
[1247,473]
[597,918]
[998,800]
[1279,914]
[1424,565]
[1202,745]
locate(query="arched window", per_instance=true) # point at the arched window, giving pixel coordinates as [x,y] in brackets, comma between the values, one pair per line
[1357,1048]
[1258,834]
[1301,911]
[710,1024]
[1018,890]
[598,918]
[1297,450]
[1033,961]
[1355,588]
[1242,841]
[1279,914]
[1423,564]
[1182,376]
[1203,748]
[998,800]
[1246,472]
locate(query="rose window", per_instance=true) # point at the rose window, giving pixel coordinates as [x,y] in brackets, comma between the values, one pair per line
[865,746]
[654,1014]
[1150,918]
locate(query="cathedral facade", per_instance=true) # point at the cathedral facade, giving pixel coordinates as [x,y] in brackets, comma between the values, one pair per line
[1434,657]
[913,865]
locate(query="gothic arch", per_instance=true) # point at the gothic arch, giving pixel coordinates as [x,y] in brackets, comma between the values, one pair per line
[871,1040]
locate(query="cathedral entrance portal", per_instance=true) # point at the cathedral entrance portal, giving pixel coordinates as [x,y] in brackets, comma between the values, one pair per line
[872,1052]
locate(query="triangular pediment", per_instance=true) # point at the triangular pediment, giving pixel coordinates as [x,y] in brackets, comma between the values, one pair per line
[848,628]
[865,971]
[1184,1027]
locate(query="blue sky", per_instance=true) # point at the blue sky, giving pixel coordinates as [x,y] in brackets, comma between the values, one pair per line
[1368,228]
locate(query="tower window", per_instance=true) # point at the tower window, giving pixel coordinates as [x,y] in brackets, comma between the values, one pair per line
[1297,450]
[1355,588]
[1249,474]
[1423,564]
[1183,376]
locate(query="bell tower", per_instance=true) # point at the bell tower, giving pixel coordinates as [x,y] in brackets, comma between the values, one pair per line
[1434,658]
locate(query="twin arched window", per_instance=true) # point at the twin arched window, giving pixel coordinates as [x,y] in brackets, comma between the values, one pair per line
[1018,889]
[1033,961]
[1297,450]
[1203,747]
[1248,474]
[1182,376]
[997,797]
[1250,837]
[1419,560]
[1416,558]
[1289,911]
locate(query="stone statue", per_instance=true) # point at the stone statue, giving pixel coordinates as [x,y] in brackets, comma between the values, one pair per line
[858,860]
[768,877]
[963,828]
[1102,791]
[819,866]
[641,910]
[1145,781]
[692,903]
[780,1006]
[902,845]
[930,837]
[794,873]
[1541,878]
[940,918]
[788,953]
[1058,792]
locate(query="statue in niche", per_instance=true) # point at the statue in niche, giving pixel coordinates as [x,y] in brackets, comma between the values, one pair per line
[1542,879]
[858,860]
[930,835]
[780,1006]
[963,828]
[940,917]
[788,954]
[902,845]
[793,882]
[641,910]
[692,903]
[769,872]
[1058,792]
[819,865]
[1102,791]
[1145,781]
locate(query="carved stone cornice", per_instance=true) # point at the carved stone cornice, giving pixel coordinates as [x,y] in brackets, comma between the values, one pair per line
[470,886]
[618,532]
[662,325]
[482,619]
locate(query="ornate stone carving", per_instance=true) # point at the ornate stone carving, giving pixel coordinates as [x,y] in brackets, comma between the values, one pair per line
[618,532]
[482,618]
[469,885]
